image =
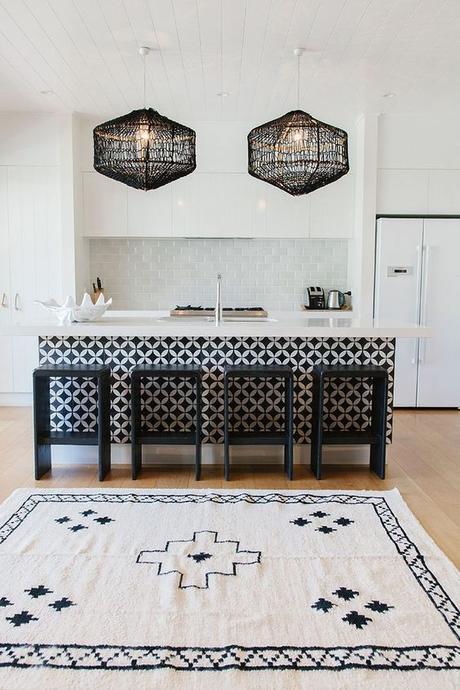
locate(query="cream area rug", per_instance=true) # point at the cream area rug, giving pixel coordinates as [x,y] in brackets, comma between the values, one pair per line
[223,589]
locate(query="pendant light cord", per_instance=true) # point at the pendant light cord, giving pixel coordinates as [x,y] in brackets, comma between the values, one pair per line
[298,52]
[145,99]
[144,51]
[298,82]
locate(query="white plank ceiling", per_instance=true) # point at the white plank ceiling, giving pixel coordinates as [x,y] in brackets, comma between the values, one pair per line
[81,55]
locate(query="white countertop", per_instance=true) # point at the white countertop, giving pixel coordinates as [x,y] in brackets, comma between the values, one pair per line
[283,324]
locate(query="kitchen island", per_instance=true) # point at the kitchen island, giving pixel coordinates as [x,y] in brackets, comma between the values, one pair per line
[300,339]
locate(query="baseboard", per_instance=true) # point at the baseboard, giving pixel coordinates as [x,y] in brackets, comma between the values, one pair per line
[15,399]
[212,454]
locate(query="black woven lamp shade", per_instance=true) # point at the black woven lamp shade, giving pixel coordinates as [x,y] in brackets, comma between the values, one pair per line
[144,149]
[297,153]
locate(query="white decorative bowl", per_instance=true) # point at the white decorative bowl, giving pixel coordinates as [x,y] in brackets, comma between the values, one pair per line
[70,311]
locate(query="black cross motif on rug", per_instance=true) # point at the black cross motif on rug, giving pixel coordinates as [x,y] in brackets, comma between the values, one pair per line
[317,517]
[194,560]
[79,526]
[352,617]
[36,593]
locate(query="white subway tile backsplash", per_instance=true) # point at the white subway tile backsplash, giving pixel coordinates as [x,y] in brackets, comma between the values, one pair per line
[159,273]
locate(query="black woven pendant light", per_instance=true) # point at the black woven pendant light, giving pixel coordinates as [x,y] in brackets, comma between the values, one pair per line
[144,149]
[297,152]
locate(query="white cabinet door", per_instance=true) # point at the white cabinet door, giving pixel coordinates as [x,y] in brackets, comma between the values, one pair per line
[6,364]
[105,206]
[34,239]
[397,291]
[6,349]
[236,205]
[5,295]
[25,359]
[285,215]
[212,205]
[444,192]
[439,367]
[402,191]
[150,213]
[182,203]
[332,209]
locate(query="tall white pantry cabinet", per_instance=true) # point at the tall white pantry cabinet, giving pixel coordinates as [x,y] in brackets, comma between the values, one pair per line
[30,262]
[417,280]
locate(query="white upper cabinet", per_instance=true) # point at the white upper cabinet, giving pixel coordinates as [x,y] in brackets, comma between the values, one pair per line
[215,204]
[402,191]
[105,206]
[236,205]
[418,192]
[277,213]
[212,205]
[150,213]
[444,192]
[331,209]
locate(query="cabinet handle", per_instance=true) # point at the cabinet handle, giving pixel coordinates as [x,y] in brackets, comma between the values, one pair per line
[16,302]
[4,300]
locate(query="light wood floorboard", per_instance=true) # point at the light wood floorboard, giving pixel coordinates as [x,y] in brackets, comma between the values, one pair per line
[423,463]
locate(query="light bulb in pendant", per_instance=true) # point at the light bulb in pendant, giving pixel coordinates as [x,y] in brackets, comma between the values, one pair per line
[297,135]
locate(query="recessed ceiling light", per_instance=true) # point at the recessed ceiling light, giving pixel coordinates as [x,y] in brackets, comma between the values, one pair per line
[222,94]
[47,92]
[390,94]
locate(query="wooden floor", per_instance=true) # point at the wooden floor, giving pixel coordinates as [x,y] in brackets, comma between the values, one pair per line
[423,463]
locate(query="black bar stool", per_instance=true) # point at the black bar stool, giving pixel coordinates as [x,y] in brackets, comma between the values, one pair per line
[44,438]
[375,436]
[140,436]
[275,438]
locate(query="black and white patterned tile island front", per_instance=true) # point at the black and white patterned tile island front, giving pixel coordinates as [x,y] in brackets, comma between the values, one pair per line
[257,404]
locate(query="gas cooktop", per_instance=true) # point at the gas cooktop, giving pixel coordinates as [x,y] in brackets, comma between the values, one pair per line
[189,310]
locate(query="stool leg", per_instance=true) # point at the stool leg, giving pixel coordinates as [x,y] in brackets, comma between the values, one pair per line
[289,446]
[103,405]
[226,431]
[317,426]
[41,403]
[136,448]
[198,431]
[378,425]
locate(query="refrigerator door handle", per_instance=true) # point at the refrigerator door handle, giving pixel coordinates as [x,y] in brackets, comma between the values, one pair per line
[414,356]
[418,278]
[423,307]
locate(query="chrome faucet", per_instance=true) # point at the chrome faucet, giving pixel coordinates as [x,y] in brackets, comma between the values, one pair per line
[218,313]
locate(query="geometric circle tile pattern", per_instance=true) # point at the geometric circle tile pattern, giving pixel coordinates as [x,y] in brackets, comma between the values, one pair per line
[257,404]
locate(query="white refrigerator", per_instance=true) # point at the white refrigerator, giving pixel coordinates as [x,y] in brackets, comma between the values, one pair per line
[417,280]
